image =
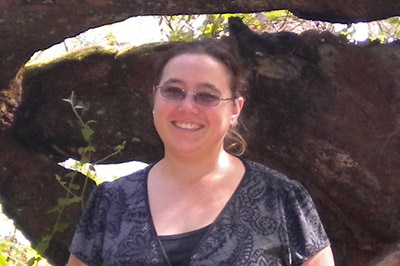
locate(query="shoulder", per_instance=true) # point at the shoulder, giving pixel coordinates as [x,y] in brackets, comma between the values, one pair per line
[289,191]
[262,173]
[302,226]
[111,199]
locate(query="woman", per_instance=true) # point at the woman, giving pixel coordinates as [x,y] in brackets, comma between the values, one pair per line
[200,204]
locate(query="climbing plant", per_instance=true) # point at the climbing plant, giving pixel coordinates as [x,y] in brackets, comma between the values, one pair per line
[74,193]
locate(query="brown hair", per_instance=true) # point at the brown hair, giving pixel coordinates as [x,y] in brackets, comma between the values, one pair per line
[234,143]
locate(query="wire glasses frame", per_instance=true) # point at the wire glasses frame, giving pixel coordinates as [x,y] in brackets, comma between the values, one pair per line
[201,98]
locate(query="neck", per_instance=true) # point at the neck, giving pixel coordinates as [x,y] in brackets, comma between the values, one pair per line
[193,169]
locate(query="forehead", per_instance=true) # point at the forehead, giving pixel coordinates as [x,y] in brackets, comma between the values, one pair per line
[196,68]
[196,60]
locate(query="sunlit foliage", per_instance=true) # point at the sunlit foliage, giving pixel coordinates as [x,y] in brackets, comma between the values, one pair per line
[190,27]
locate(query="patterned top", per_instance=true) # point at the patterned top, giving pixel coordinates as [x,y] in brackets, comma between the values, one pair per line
[269,220]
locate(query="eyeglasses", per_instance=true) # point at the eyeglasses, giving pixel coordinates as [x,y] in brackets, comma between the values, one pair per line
[202,98]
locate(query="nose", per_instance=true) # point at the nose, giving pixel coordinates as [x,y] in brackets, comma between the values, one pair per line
[188,103]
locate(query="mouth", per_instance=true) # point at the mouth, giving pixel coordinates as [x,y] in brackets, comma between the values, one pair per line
[187,126]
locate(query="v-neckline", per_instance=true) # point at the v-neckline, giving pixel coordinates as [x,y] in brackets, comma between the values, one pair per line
[211,227]
[223,210]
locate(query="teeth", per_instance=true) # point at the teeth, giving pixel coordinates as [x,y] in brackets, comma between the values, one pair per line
[189,126]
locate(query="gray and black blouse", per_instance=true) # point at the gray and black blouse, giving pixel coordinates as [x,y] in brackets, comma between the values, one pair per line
[269,220]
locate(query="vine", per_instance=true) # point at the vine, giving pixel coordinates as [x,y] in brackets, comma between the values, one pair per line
[74,192]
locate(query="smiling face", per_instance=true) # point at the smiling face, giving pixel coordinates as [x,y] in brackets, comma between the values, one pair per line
[185,126]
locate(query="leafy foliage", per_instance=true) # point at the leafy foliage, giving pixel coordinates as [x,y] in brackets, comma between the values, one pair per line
[14,253]
[190,27]
[74,192]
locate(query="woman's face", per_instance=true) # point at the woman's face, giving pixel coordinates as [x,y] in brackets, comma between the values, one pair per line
[184,125]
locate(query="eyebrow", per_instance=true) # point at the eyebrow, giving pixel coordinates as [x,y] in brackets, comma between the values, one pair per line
[211,87]
[173,80]
[201,85]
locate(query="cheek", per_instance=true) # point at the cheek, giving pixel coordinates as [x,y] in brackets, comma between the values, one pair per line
[161,111]
[223,120]
[159,104]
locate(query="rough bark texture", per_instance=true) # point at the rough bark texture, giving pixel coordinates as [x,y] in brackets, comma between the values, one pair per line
[321,110]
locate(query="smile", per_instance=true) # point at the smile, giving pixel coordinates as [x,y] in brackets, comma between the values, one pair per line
[187,126]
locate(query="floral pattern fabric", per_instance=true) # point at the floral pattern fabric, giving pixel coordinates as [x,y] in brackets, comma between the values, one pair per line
[269,220]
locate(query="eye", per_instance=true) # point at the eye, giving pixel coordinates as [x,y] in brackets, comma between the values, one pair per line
[205,97]
[172,92]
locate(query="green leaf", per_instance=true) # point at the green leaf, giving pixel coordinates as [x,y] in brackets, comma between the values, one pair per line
[3,260]
[84,150]
[120,147]
[33,261]
[60,227]
[63,202]
[42,246]
[90,149]
[74,186]
[68,201]
[277,14]
[55,209]
[87,133]
[58,178]
[67,100]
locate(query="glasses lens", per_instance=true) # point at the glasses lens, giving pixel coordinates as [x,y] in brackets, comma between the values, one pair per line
[206,99]
[172,93]
[178,94]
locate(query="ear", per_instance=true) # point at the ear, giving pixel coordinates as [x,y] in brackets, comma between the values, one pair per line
[237,109]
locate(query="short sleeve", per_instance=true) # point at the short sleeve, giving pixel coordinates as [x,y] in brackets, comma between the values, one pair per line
[306,234]
[87,242]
